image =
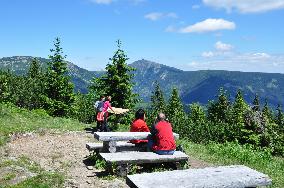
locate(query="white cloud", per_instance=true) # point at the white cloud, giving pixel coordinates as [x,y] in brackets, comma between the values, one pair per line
[246,62]
[154,16]
[106,2]
[208,54]
[223,46]
[170,29]
[209,25]
[195,6]
[246,6]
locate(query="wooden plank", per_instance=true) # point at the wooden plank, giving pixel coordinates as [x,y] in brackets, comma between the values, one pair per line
[237,176]
[142,157]
[117,136]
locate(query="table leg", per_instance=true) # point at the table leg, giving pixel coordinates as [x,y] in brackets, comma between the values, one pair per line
[109,146]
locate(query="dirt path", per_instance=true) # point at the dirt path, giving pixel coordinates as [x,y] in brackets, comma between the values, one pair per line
[65,153]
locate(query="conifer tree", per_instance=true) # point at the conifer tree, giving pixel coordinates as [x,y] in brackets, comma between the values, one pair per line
[175,111]
[158,103]
[35,69]
[58,88]
[218,111]
[239,108]
[4,86]
[197,114]
[117,82]
[33,90]
[256,104]
[267,112]
[279,119]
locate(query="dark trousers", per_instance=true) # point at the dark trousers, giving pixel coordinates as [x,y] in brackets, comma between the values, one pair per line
[99,126]
[104,124]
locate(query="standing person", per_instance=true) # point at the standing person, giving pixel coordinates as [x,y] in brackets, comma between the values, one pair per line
[162,139]
[107,106]
[139,125]
[99,105]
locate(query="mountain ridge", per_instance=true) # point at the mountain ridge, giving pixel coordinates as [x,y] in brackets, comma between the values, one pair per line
[194,86]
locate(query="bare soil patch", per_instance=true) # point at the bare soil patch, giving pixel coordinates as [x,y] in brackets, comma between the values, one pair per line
[66,152]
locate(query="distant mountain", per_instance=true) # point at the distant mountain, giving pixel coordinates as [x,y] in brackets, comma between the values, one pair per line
[194,86]
[20,65]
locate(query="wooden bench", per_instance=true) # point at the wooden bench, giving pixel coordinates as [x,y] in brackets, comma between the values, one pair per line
[110,139]
[123,160]
[120,145]
[237,176]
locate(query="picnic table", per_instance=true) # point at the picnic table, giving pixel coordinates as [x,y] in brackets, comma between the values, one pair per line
[110,139]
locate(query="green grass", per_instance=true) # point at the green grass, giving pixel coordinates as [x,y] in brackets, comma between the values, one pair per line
[42,179]
[17,120]
[235,154]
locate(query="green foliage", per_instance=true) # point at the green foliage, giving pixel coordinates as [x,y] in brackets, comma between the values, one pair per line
[256,104]
[58,88]
[5,88]
[175,112]
[158,103]
[117,82]
[218,110]
[267,112]
[83,108]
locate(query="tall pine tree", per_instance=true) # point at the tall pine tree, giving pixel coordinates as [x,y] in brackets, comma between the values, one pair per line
[117,82]
[218,110]
[256,103]
[267,112]
[175,111]
[58,88]
[158,103]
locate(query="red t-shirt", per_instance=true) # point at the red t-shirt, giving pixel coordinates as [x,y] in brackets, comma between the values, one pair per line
[139,125]
[164,138]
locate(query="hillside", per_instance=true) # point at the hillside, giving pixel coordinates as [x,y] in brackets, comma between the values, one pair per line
[194,86]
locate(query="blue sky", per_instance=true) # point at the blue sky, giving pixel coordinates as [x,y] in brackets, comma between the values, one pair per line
[242,35]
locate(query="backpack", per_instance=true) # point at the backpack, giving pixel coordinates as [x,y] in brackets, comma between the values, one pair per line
[99,106]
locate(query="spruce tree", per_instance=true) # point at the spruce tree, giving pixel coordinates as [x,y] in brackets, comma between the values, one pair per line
[256,104]
[218,110]
[267,112]
[34,92]
[175,111]
[5,78]
[158,103]
[58,88]
[279,119]
[239,108]
[117,82]
[35,69]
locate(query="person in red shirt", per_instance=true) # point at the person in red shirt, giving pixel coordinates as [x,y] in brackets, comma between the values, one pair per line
[162,139]
[139,125]
[106,106]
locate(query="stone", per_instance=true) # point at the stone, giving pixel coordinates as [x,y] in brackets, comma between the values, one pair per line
[237,176]
[120,136]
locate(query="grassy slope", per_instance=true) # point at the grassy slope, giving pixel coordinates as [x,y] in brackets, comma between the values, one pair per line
[15,120]
[235,154]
